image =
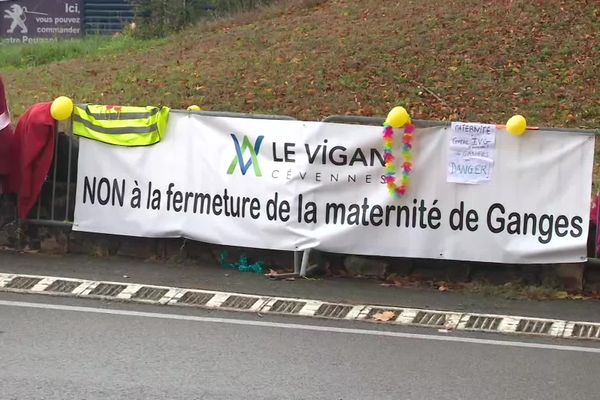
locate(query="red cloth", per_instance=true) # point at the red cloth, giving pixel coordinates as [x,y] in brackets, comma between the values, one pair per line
[34,144]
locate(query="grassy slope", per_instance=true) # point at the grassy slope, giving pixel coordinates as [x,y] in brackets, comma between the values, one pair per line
[14,57]
[476,60]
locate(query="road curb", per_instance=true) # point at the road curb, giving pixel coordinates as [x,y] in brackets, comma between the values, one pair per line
[264,304]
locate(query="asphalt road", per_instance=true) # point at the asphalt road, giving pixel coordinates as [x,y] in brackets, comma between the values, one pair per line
[133,351]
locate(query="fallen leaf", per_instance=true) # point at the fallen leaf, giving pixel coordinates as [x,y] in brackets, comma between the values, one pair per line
[27,250]
[384,316]
[561,295]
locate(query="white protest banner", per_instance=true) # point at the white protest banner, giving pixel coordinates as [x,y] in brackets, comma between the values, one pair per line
[293,185]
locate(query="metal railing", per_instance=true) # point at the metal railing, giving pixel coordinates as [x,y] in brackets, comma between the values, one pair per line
[62,183]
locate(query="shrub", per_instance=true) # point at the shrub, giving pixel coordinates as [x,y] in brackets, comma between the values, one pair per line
[159,18]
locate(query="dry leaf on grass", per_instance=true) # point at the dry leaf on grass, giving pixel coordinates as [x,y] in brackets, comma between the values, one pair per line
[384,316]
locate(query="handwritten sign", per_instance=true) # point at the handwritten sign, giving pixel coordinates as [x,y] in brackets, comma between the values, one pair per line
[472,152]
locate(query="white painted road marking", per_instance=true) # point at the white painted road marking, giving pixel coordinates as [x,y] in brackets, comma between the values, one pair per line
[210,299]
[314,328]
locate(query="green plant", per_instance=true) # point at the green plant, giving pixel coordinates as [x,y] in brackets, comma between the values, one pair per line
[159,18]
[16,56]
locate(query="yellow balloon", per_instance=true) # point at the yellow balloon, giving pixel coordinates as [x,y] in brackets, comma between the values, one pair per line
[516,125]
[194,108]
[397,117]
[62,108]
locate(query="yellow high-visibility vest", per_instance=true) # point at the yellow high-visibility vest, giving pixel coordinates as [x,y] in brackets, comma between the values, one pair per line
[121,125]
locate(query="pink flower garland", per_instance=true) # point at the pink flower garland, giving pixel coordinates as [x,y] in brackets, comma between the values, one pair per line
[388,150]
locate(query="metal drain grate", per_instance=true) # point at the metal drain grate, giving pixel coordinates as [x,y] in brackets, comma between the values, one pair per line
[149,293]
[60,286]
[107,289]
[483,323]
[534,326]
[333,311]
[374,311]
[195,298]
[22,282]
[429,319]
[239,302]
[287,307]
[586,331]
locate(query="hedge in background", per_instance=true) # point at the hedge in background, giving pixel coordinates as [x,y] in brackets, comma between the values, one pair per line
[158,18]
